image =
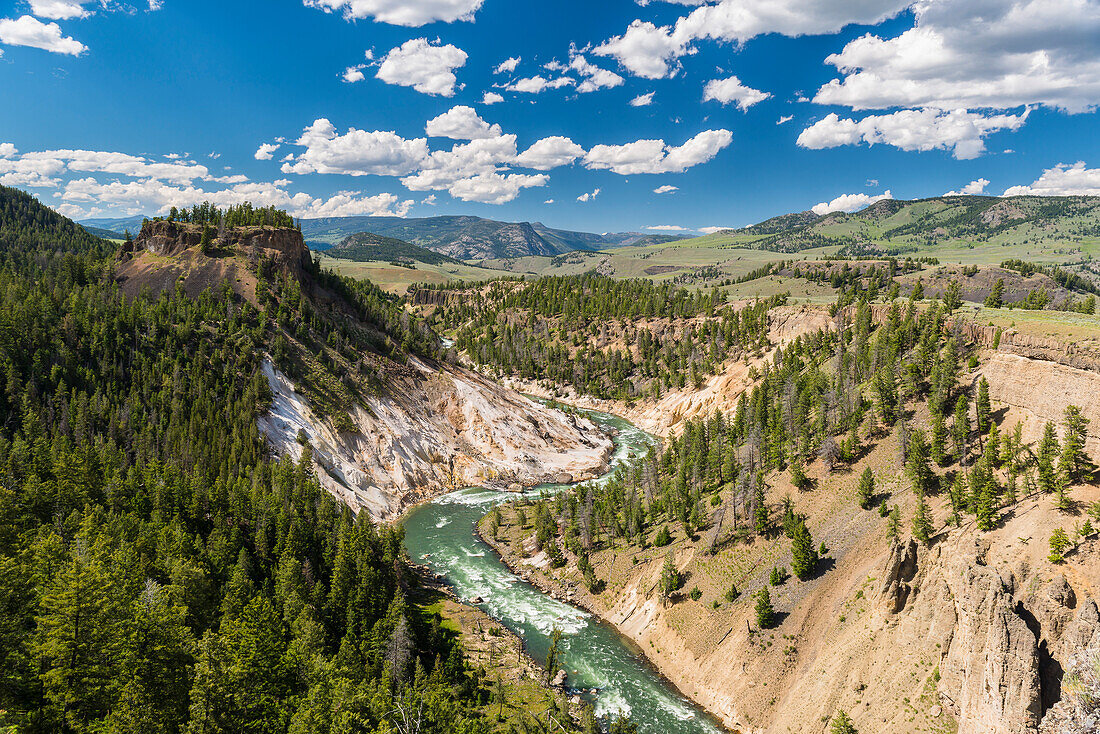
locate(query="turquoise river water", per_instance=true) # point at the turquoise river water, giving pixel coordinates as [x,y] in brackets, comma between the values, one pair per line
[440,535]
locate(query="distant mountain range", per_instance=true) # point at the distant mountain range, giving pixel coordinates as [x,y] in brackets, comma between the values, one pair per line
[369,247]
[460,237]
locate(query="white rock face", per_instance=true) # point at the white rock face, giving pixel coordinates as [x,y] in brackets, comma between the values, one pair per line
[443,428]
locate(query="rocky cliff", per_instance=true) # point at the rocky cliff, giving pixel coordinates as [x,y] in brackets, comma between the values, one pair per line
[434,429]
[165,254]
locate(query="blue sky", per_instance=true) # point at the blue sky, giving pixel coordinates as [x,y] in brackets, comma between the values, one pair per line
[735,110]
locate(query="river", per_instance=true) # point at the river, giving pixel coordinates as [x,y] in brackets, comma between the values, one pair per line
[441,535]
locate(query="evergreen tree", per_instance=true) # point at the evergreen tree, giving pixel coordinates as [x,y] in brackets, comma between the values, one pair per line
[893,525]
[765,613]
[1044,458]
[960,429]
[804,561]
[982,407]
[922,519]
[995,299]
[762,519]
[1059,542]
[866,490]
[842,723]
[670,578]
[1075,428]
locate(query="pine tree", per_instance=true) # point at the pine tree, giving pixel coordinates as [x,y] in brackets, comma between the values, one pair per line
[842,724]
[938,446]
[960,429]
[917,464]
[1075,427]
[922,519]
[1059,541]
[951,298]
[893,525]
[1044,458]
[982,407]
[995,299]
[670,578]
[985,508]
[798,471]
[804,560]
[866,488]
[765,613]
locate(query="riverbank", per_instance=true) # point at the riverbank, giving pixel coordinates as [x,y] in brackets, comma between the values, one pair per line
[572,591]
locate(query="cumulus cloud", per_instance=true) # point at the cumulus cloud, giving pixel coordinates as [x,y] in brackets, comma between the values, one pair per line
[959,131]
[551,152]
[588,196]
[973,188]
[495,188]
[29,31]
[968,54]
[732,90]
[491,98]
[668,228]
[1062,180]
[58,9]
[266,151]
[642,100]
[654,156]
[427,68]
[507,66]
[356,152]
[7,150]
[538,83]
[784,119]
[353,74]
[461,123]
[594,77]
[666,189]
[88,197]
[713,230]
[401,12]
[849,203]
[653,52]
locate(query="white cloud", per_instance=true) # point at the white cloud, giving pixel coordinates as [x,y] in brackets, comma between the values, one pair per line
[959,131]
[653,52]
[537,83]
[28,31]
[732,90]
[443,168]
[666,189]
[461,123]
[654,156]
[87,196]
[427,68]
[7,150]
[491,98]
[58,9]
[356,152]
[1062,180]
[507,66]
[713,230]
[353,74]
[550,152]
[668,228]
[495,188]
[548,201]
[429,200]
[972,54]
[266,151]
[94,161]
[401,12]
[784,119]
[973,188]
[642,100]
[849,203]
[588,196]
[594,77]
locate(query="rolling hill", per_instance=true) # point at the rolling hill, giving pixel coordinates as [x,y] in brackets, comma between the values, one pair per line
[368,247]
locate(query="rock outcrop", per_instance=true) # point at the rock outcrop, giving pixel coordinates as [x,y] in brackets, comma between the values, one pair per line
[434,429]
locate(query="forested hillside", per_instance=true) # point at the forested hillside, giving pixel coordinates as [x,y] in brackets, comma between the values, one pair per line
[159,571]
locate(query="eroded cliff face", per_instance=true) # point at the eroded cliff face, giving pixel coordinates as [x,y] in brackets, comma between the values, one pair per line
[167,254]
[438,428]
